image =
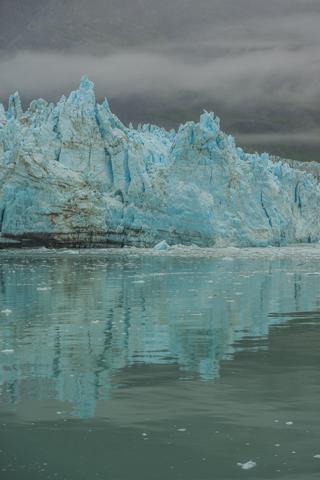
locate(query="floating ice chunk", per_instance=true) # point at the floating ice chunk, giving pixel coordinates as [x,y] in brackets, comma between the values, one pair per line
[289,423]
[6,311]
[182,429]
[317,455]
[247,465]
[43,289]
[7,351]
[161,246]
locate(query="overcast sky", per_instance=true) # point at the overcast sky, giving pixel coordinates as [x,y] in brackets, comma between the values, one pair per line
[256,63]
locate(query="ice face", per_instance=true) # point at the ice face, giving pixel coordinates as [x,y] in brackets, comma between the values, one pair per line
[72,173]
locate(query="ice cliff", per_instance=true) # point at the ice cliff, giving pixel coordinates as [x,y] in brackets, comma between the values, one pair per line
[73,174]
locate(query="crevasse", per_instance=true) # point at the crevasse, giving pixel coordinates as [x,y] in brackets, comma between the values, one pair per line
[73,174]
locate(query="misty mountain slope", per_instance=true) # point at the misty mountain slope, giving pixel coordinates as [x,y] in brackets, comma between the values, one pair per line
[72,173]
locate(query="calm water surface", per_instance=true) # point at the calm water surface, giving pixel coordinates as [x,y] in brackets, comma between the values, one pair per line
[129,366]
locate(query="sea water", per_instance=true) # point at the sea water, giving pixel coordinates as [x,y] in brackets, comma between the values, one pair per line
[144,365]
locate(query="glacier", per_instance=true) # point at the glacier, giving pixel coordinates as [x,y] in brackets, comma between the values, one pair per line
[72,174]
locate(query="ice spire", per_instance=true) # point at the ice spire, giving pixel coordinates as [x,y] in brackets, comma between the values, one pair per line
[2,114]
[86,84]
[14,107]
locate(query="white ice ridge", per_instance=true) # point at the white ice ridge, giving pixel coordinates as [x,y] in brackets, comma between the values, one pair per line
[73,174]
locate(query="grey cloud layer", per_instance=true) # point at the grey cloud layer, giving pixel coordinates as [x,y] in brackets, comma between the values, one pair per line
[260,59]
[252,59]
[249,78]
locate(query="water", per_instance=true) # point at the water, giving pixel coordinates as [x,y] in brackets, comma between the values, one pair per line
[185,365]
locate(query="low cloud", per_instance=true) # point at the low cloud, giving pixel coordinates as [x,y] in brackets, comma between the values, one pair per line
[263,68]
[276,76]
[258,70]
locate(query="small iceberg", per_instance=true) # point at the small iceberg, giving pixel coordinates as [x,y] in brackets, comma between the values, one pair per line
[7,351]
[247,465]
[161,246]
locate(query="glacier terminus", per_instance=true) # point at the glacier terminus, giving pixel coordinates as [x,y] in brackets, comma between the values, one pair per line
[72,174]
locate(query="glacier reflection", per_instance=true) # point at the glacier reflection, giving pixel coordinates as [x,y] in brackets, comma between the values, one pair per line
[71,323]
